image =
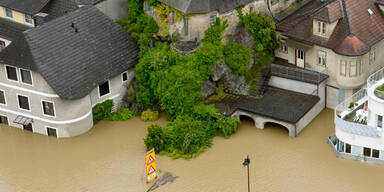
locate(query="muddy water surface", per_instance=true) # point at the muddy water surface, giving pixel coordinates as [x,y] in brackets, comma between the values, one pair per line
[110,158]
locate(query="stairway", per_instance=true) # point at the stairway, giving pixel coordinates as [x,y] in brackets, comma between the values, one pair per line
[263,83]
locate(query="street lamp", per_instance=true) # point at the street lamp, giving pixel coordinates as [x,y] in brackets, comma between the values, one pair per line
[246,162]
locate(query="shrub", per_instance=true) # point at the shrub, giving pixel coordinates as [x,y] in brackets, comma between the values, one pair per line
[351,104]
[214,34]
[155,138]
[237,56]
[122,114]
[228,125]
[149,115]
[102,111]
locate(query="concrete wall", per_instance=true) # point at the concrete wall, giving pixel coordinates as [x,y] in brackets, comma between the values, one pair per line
[316,110]
[260,121]
[115,9]
[72,117]
[293,85]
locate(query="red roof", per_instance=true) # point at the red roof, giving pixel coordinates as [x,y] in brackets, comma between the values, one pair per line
[358,28]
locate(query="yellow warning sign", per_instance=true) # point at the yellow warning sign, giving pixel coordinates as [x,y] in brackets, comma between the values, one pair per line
[150,161]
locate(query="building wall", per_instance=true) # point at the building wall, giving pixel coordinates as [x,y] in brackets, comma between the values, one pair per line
[17,16]
[199,23]
[72,117]
[115,9]
[337,81]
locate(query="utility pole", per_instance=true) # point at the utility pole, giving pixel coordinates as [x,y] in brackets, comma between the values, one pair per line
[246,163]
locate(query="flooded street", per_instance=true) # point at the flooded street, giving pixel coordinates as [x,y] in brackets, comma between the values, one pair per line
[111,158]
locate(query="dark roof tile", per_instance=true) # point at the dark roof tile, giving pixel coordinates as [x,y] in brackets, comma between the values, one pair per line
[74,63]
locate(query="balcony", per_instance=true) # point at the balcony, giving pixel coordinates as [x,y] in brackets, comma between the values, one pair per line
[351,116]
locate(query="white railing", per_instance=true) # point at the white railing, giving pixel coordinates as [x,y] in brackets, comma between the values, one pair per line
[374,78]
[348,107]
[299,74]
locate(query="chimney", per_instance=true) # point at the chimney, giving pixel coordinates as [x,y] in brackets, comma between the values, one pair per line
[41,18]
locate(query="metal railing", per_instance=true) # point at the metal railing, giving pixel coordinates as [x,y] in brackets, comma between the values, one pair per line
[298,74]
[349,106]
[374,78]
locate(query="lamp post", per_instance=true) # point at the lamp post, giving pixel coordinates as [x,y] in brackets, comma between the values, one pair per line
[246,162]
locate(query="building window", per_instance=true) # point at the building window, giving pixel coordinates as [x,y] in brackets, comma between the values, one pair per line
[27,19]
[2,98]
[300,54]
[23,102]
[48,108]
[51,132]
[321,28]
[8,13]
[2,45]
[379,121]
[341,146]
[372,56]
[11,73]
[26,76]
[367,152]
[124,76]
[3,120]
[352,68]
[213,19]
[322,58]
[348,148]
[375,153]
[283,48]
[361,66]
[104,89]
[343,67]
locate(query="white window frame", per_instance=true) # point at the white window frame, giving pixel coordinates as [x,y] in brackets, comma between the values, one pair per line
[6,117]
[21,77]
[350,68]
[372,55]
[109,86]
[343,72]
[25,16]
[283,48]
[18,103]
[122,79]
[46,130]
[6,73]
[5,13]
[54,108]
[210,19]
[322,58]
[5,98]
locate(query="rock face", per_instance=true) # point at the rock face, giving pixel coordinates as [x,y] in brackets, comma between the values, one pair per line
[233,84]
[208,88]
[219,71]
[228,81]
[243,36]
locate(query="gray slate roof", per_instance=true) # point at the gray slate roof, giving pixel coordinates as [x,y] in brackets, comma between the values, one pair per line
[11,30]
[57,8]
[74,63]
[205,6]
[279,104]
[30,7]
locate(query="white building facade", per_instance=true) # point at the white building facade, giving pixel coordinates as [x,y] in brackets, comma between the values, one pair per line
[359,123]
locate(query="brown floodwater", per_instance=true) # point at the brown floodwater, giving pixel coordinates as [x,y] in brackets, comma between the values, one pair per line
[111,156]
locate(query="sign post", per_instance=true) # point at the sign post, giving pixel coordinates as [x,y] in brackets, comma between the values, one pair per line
[150,162]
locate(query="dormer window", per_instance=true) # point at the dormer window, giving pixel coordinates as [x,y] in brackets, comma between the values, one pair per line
[319,28]
[8,13]
[28,19]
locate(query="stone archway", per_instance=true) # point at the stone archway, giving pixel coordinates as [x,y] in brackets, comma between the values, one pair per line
[289,127]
